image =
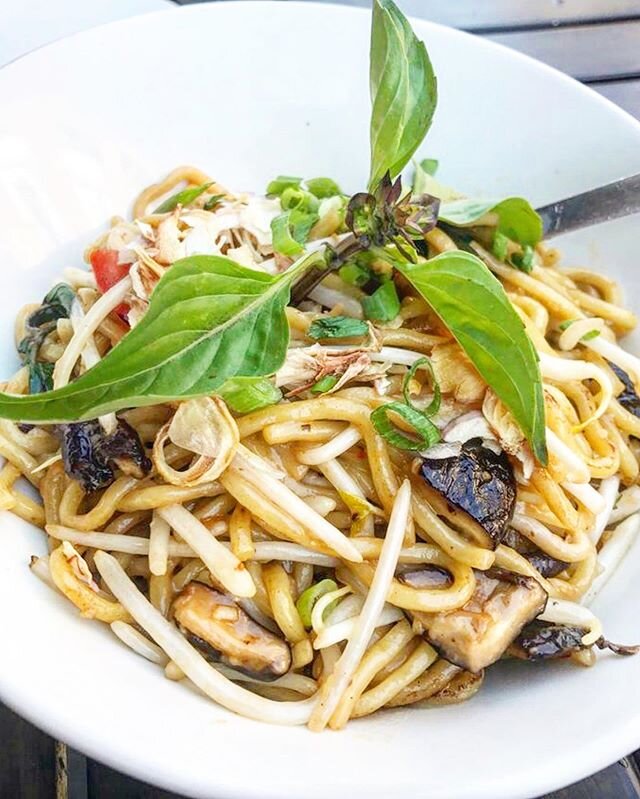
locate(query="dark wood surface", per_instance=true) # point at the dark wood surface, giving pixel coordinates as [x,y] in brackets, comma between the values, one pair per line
[596,41]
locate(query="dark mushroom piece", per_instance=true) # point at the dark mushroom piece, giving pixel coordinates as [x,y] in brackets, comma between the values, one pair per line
[90,455]
[543,641]
[545,564]
[427,576]
[478,485]
[218,627]
[477,634]
[628,398]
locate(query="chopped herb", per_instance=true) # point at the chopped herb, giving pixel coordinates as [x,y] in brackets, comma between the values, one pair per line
[185,197]
[429,165]
[523,261]
[337,327]
[383,305]
[40,377]
[323,187]
[355,274]
[325,384]
[248,394]
[214,200]
[299,200]
[55,305]
[500,246]
[434,405]
[282,182]
[567,323]
[290,231]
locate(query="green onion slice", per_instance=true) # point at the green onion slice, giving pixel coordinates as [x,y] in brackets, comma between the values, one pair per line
[424,428]
[434,405]
[323,187]
[247,394]
[307,599]
[185,197]
[282,182]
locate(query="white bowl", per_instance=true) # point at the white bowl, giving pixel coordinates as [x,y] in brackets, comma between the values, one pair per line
[247,91]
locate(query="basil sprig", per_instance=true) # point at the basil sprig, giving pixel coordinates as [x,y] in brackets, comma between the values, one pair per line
[473,305]
[516,219]
[403,92]
[209,320]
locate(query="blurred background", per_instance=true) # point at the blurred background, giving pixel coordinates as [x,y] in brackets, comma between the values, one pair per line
[594,41]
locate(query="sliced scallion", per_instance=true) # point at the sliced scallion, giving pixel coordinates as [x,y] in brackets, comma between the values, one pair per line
[428,434]
[247,394]
[323,187]
[185,197]
[282,182]
[434,405]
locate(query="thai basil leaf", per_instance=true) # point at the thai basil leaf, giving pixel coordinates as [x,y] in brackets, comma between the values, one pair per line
[403,92]
[337,327]
[282,236]
[209,320]
[425,170]
[185,197]
[290,230]
[517,220]
[55,305]
[40,377]
[247,394]
[383,305]
[473,305]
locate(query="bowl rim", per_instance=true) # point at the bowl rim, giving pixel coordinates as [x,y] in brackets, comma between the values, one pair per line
[605,747]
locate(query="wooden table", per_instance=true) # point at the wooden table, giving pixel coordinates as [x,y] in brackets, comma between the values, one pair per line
[596,41]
